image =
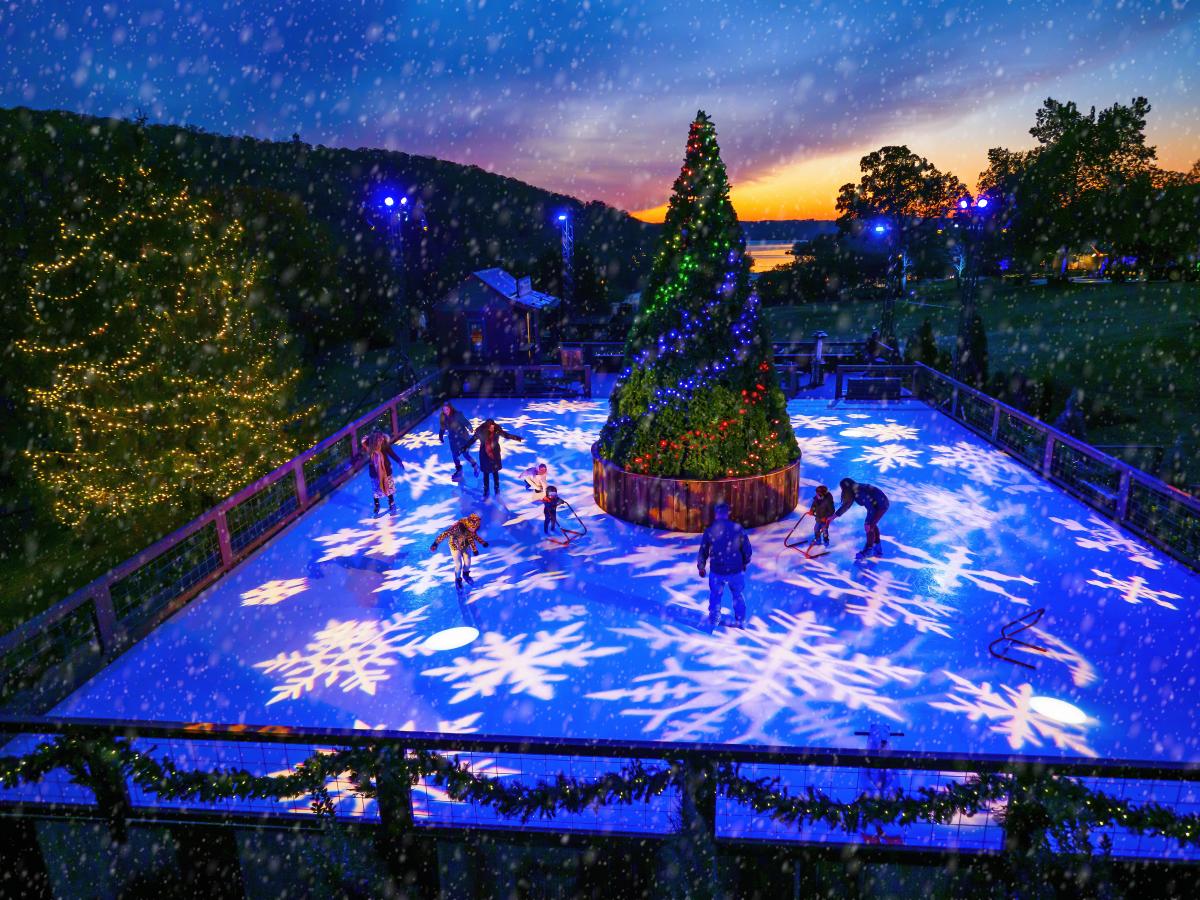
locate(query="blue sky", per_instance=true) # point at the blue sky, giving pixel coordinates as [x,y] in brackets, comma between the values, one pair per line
[595,98]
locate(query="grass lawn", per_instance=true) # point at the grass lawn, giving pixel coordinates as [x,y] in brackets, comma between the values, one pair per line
[1135,347]
[42,562]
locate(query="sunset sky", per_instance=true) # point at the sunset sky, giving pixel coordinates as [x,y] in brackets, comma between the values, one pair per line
[594,99]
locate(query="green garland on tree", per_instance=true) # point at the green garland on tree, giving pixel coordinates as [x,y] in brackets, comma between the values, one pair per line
[699,397]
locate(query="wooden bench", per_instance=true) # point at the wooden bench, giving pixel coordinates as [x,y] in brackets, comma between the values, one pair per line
[873,388]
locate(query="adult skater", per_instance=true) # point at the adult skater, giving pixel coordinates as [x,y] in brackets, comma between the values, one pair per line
[453,422]
[876,504]
[464,538]
[727,547]
[380,455]
[488,434]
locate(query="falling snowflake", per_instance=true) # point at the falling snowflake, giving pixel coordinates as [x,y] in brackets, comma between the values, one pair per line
[567,438]
[771,666]
[525,666]
[950,572]
[353,655]
[890,456]
[982,464]
[1014,717]
[418,440]
[563,613]
[1100,535]
[274,592]
[565,406]
[818,450]
[816,423]
[1133,590]
[882,431]
[880,600]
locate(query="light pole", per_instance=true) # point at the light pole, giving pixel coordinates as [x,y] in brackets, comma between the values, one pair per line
[897,280]
[568,258]
[970,219]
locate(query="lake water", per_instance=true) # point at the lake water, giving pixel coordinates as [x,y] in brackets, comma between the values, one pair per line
[769,254]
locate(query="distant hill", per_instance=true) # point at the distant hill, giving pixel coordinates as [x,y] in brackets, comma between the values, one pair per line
[315,211]
[788,229]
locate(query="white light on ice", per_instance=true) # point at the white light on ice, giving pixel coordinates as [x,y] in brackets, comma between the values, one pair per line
[452,638]
[1058,710]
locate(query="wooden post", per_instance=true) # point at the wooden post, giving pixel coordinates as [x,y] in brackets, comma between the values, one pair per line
[301,483]
[696,842]
[1123,494]
[995,422]
[520,381]
[353,442]
[1048,456]
[223,540]
[395,420]
[106,618]
[410,856]
[954,402]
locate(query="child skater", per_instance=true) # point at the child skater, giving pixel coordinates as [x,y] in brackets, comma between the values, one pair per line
[463,537]
[550,504]
[821,509]
[378,447]
[536,478]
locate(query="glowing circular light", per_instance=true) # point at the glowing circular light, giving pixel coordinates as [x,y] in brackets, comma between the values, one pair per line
[879,229]
[451,638]
[562,217]
[1058,710]
[981,202]
[403,201]
[389,201]
[962,204]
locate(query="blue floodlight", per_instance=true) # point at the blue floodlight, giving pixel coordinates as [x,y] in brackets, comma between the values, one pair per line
[403,201]
[880,229]
[981,202]
[562,217]
[389,201]
[962,204]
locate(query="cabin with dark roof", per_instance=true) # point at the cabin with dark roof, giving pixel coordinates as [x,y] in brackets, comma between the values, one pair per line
[491,317]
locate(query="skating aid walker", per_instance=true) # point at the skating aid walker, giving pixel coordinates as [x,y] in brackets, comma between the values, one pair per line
[798,544]
[569,535]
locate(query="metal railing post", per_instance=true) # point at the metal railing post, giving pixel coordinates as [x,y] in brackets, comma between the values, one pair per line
[954,402]
[995,422]
[395,420]
[223,540]
[353,442]
[520,381]
[1123,494]
[587,382]
[1048,456]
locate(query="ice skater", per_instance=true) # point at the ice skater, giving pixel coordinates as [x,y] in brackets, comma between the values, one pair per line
[488,434]
[453,422]
[380,455]
[464,539]
[875,502]
[727,547]
[535,478]
[821,509]
[550,504]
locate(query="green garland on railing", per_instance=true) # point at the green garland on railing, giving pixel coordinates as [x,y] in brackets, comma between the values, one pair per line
[1058,811]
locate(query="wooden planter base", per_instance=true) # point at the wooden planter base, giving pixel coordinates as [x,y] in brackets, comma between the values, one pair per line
[679,504]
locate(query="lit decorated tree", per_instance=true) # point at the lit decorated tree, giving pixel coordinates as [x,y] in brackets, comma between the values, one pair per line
[699,397]
[156,375]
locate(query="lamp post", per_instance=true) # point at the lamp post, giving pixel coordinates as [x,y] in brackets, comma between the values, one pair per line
[970,219]
[568,258]
[897,278]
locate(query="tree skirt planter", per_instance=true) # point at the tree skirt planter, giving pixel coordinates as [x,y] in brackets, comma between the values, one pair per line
[680,504]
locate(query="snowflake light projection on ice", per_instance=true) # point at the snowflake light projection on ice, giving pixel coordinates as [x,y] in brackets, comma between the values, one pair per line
[883,431]
[418,579]
[954,513]
[890,456]
[1055,648]
[754,675]
[426,791]
[879,599]
[815,423]
[353,655]
[418,440]
[1098,534]
[567,438]
[523,665]
[1013,716]
[422,477]
[561,407]
[387,534]
[984,465]
[1133,589]
[563,613]
[347,802]
[274,592]
[949,573]
[818,450]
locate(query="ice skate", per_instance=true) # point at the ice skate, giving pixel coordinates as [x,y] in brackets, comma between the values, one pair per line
[457,476]
[458,582]
[467,577]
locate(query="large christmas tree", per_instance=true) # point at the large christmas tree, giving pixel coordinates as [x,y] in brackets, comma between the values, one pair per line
[156,372]
[699,397]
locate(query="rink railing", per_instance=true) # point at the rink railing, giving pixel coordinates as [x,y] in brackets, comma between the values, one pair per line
[1163,515]
[48,656]
[842,775]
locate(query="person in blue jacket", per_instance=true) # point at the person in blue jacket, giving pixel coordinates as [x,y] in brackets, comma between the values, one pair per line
[726,547]
[875,502]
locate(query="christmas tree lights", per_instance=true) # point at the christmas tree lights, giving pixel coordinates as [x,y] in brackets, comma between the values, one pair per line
[699,397]
[153,367]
